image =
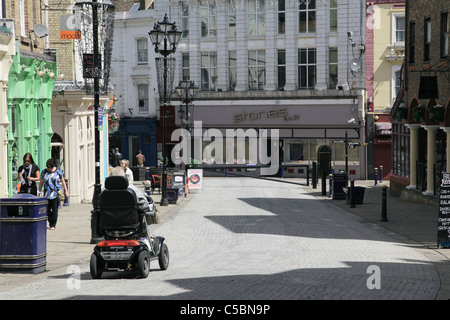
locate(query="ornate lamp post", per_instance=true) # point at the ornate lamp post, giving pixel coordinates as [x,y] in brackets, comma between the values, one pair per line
[165,33]
[96,20]
[186,89]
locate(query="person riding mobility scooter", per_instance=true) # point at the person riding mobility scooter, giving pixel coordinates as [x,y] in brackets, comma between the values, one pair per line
[123,225]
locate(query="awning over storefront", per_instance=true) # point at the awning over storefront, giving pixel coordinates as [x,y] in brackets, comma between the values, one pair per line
[383,128]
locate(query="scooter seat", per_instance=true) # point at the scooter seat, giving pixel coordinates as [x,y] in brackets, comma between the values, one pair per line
[118,208]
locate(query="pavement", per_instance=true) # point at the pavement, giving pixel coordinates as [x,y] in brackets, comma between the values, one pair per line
[410,223]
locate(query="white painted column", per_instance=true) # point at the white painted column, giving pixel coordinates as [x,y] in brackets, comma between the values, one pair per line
[431,158]
[413,154]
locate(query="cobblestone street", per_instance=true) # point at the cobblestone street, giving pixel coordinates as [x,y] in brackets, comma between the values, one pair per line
[251,239]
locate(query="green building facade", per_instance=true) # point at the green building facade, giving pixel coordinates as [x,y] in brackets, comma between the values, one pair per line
[29,97]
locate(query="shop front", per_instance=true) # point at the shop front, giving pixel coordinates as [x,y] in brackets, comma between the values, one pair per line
[245,132]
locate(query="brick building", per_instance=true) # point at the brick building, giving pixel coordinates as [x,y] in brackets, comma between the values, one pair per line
[29,86]
[44,108]
[73,121]
[421,114]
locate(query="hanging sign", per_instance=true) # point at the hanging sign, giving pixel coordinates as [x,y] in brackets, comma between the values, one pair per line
[89,68]
[100,118]
[69,28]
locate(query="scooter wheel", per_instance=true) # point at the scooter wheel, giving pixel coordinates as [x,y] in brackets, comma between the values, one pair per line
[96,272]
[143,264]
[163,257]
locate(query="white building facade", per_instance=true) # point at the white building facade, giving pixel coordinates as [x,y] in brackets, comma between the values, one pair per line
[133,76]
[292,65]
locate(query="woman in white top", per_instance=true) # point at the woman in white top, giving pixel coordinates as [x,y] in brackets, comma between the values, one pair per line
[128,173]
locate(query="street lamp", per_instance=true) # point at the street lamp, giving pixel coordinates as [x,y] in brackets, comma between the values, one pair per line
[95,19]
[165,32]
[186,89]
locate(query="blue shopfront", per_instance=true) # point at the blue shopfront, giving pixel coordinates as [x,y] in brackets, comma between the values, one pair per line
[136,134]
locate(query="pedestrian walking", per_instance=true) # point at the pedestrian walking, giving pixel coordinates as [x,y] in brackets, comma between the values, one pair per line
[140,159]
[117,158]
[52,180]
[28,175]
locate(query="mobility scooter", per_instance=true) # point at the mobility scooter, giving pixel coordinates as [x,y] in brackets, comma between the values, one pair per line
[126,247]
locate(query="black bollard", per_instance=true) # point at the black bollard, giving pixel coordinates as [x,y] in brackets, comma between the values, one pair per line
[314,175]
[384,204]
[324,182]
[352,196]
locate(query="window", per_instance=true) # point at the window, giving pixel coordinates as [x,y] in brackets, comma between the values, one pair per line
[306,16]
[397,79]
[208,71]
[333,67]
[256,69]
[232,63]
[400,150]
[412,42]
[185,65]
[2,9]
[400,29]
[333,15]
[445,34]
[23,29]
[256,18]
[307,68]
[427,40]
[232,18]
[184,20]
[281,69]
[143,97]
[281,17]
[208,18]
[142,51]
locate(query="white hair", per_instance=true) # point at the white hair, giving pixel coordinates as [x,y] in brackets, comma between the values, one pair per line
[117,171]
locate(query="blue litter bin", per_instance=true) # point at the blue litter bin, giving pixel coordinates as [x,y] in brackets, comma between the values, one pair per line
[23,233]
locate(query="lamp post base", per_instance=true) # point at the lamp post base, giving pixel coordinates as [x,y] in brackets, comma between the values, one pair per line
[164,202]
